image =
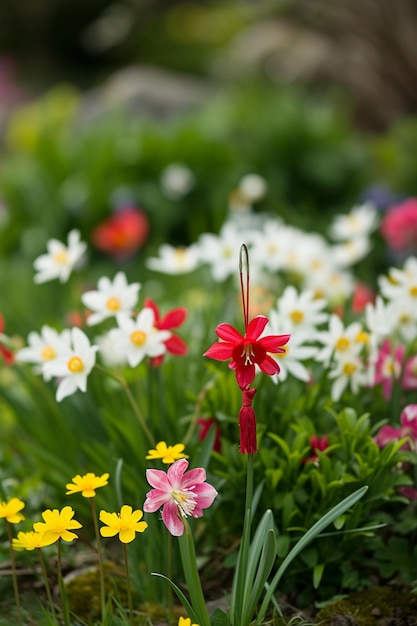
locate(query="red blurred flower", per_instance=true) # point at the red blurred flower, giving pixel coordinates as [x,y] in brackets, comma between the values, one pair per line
[317,444]
[172,319]
[205,424]
[248,350]
[399,226]
[7,355]
[361,296]
[123,233]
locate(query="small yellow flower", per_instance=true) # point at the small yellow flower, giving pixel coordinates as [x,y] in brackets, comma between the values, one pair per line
[168,454]
[126,523]
[10,510]
[30,540]
[57,525]
[185,621]
[87,484]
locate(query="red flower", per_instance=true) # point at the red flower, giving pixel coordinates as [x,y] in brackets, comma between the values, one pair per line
[317,444]
[172,319]
[248,350]
[123,233]
[205,424]
[7,355]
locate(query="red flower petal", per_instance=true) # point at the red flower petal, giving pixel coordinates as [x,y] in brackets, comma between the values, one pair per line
[150,304]
[271,342]
[173,319]
[228,333]
[176,345]
[269,366]
[245,375]
[255,327]
[221,350]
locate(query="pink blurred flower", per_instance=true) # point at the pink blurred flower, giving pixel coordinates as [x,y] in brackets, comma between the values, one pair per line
[409,380]
[388,366]
[205,423]
[408,428]
[361,296]
[179,494]
[399,226]
[123,233]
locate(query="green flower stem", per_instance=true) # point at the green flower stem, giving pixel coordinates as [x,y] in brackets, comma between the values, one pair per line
[131,399]
[14,575]
[64,599]
[47,585]
[129,588]
[100,558]
[192,577]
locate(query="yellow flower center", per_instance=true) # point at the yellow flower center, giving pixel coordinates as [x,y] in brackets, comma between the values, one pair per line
[404,318]
[185,501]
[113,304]
[180,255]
[75,365]
[227,252]
[297,317]
[48,353]
[61,257]
[272,248]
[413,291]
[316,264]
[342,344]
[362,337]
[349,369]
[138,337]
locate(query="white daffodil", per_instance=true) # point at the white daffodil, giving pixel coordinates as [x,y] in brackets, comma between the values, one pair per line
[329,283]
[138,338]
[221,252]
[108,349]
[350,252]
[401,284]
[360,222]
[110,298]
[339,341]
[299,312]
[60,259]
[175,260]
[290,361]
[348,371]
[269,247]
[73,365]
[43,348]
[253,187]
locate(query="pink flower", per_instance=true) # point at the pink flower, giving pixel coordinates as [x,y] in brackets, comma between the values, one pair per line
[248,350]
[388,366]
[174,318]
[399,226]
[408,428]
[179,494]
[409,380]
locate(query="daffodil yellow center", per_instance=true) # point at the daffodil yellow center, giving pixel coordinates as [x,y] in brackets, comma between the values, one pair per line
[61,257]
[342,344]
[185,501]
[113,304]
[349,369]
[297,316]
[413,291]
[362,337]
[180,255]
[272,248]
[48,353]
[316,264]
[404,318]
[138,337]
[227,252]
[75,365]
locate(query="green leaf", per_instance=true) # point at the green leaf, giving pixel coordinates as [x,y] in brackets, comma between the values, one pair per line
[181,597]
[219,618]
[317,575]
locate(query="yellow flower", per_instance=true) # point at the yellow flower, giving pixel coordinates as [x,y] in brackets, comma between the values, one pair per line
[126,523]
[168,454]
[10,510]
[30,540]
[57,525]
[185,621]
[87,484]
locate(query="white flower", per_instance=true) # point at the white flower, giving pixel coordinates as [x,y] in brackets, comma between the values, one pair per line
[222,252]
[109,349]
[269,247]
[333,285]
[60,259]
[253,187]
[300,312]
[290,360]
[110,298]
[339,341]
[348,371]
[172,260]
[73,365]
[350,251]
[380,321]
[43,348]
[401,284]
[177,180]
[137,339]
[360,222]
